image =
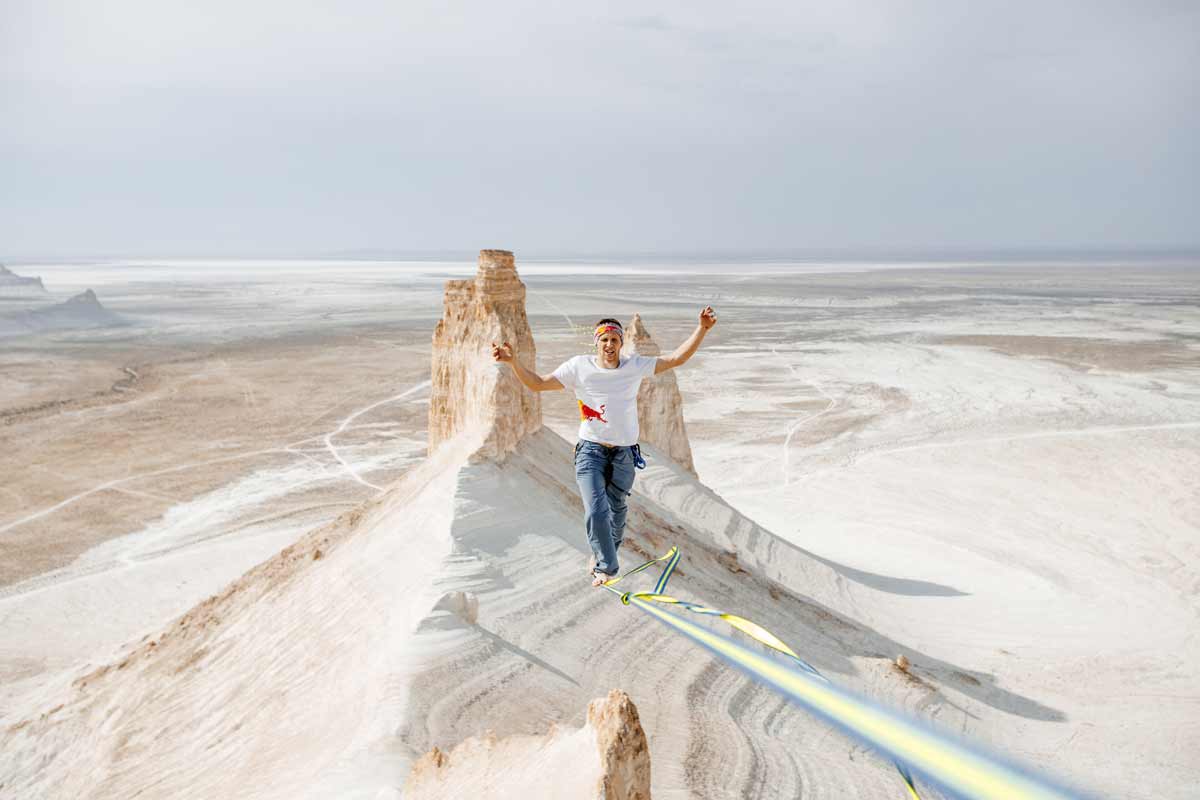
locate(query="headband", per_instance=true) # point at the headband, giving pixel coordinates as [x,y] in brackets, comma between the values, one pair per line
[606,328]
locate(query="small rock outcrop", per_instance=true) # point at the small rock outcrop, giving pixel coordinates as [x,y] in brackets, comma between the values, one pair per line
[12,283]
[464,605]
[607,759]
[624,751]
[469,389]
[85,299]
[84,310]
[660,406]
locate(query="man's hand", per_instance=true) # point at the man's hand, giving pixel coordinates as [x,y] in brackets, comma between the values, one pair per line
[502,353]
[708,318]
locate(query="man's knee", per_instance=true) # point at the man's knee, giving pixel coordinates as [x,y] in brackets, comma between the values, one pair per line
[598,507]
[617,499]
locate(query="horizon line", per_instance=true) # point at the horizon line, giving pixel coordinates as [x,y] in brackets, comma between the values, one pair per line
[754,255]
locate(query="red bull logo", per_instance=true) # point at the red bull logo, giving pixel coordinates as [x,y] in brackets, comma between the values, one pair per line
[586,412]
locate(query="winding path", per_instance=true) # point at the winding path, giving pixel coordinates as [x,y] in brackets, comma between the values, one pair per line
[346,422]
[795,426]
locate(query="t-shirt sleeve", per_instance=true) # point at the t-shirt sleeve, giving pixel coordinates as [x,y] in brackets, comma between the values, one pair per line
[566,373]
[645,365]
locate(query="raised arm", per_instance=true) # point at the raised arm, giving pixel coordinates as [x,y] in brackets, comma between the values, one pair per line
[504,355]
[708,318]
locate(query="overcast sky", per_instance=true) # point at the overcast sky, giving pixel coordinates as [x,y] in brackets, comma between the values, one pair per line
[160,127]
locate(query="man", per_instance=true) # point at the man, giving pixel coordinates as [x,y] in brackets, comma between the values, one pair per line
[606,388]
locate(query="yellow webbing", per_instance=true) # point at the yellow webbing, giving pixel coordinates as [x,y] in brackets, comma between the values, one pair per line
[946,762]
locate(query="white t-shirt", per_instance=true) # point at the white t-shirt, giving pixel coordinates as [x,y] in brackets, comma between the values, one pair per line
[607,397]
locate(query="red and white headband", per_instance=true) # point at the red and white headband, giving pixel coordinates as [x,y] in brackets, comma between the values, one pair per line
[607,327]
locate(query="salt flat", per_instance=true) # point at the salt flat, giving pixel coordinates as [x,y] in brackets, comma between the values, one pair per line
[1000,459]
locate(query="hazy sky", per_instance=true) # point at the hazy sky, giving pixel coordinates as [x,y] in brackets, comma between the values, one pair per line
[254,127]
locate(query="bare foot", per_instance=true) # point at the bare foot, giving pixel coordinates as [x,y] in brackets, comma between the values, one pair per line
[599,578]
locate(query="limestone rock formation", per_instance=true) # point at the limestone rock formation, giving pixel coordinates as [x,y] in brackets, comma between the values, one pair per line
[624,752]
[608,759]
[469,389]
[660,406]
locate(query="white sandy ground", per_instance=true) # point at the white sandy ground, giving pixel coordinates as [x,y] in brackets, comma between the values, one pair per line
[1024,529]
[116,590]
[226,701]
[561,763]
[1034,521]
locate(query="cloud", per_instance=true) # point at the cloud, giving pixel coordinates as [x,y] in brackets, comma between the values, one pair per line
[762,125]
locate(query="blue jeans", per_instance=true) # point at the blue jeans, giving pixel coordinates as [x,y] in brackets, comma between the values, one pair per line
[605,478]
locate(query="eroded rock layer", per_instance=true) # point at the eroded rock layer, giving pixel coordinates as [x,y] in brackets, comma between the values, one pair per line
[624,752]
[469,389]
[660,406]
[608,759]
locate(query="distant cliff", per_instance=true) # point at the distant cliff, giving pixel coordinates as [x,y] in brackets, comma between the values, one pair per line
[81,311]
[12,283]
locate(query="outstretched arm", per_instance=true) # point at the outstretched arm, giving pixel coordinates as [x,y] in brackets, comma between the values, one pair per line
[504,355]
[708,318]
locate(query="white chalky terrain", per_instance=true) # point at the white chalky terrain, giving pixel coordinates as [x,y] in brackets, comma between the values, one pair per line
[1014,514]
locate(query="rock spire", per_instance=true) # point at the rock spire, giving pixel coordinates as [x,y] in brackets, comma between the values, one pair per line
[660,406]
[624,751]
[469,390]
